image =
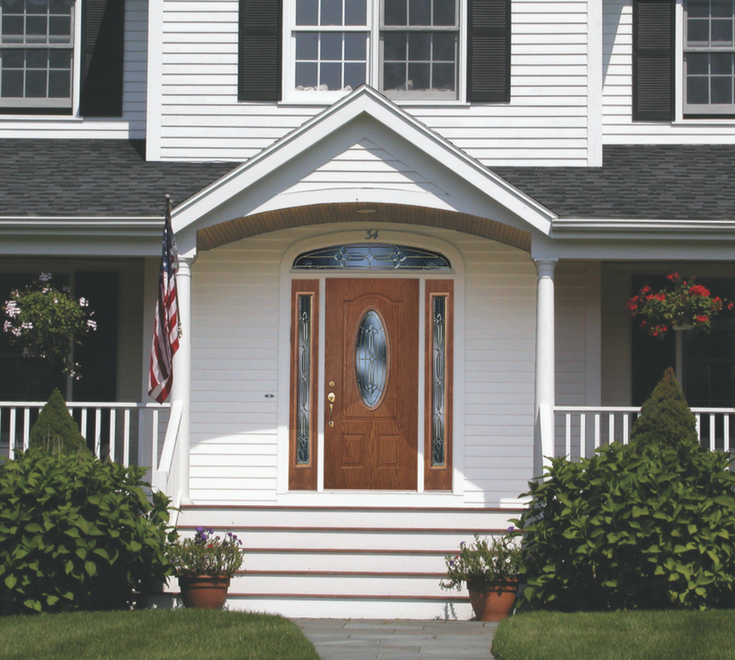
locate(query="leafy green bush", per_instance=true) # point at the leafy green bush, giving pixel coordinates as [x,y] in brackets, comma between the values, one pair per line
[665,416]
[55,430]
[635,526]
[77,533]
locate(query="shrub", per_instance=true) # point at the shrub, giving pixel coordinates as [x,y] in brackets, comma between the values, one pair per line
[77,533]
[665,416]
[55,430]
[635,526]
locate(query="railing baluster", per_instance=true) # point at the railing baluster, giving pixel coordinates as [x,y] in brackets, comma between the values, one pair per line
[698,417]
[597,430]
[83,423]
[582,435]
[568,444]
[626,421]
[98,433]
[111,449]
[11,433]
[26,427]
[611,428]
[712,444]
[126,438]
[154,440]
[726,431]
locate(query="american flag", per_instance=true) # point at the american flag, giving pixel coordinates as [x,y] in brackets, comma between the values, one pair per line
[166,331]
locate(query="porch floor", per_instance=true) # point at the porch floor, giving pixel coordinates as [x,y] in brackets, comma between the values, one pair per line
[399,639]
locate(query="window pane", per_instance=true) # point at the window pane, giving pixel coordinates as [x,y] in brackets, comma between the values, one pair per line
[12,29]
[12,84]
[721,63]
[306,74]
[36,6]
[331,46]
[59,59]
[12,59]
[59,84]
[722,32]
[36,28]
[697,31]
[444,77]
[303,396]
[438,385]
[356,46]
[419,76]
[61,6]
[419,46]
[37,59]
[394,75]
[12,6]
[355,12]
[721,90]
[698,8]
[445,47]
[395,12]
[697,90]
[419,12]
[60,29]
[722,8]
[307,46]
[330,74]
[331,12]
[445,12]
[307,12]
[36,84]
[355,74]
[697,64]
[394,46]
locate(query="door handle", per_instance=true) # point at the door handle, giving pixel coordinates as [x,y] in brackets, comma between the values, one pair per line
[331,398]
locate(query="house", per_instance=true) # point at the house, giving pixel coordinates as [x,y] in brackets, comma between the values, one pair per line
[407,232]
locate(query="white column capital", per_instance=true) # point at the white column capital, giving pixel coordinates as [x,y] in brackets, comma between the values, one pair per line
[545,267]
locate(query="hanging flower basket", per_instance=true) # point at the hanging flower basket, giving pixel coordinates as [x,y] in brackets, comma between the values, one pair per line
[681,305]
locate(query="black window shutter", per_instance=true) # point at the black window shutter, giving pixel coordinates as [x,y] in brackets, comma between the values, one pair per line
[653,60]
[259,51]
[488,57]
[103,45]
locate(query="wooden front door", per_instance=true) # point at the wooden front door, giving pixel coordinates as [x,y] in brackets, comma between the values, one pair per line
[371,379]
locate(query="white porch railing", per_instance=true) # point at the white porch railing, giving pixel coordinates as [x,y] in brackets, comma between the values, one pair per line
[167,475]
[579,430]
[114,431]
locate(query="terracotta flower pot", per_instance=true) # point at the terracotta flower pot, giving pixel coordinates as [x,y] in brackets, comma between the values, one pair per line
[492,601]
[204,592]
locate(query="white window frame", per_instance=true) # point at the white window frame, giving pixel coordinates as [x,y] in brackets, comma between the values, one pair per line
[374,57]
[65,106]
[695,111]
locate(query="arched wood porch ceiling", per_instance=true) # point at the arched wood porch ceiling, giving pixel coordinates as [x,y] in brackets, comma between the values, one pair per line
[320,214]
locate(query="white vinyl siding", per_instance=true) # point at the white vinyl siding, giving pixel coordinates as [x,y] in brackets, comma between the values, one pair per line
[132,125]
[545,122]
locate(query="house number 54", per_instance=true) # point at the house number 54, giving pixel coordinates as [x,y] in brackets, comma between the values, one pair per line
[371,234]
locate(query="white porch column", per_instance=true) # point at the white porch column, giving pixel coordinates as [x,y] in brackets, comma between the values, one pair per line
[545,357]
[181,387]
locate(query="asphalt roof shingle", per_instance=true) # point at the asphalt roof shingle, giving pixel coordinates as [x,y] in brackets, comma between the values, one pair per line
[69,177]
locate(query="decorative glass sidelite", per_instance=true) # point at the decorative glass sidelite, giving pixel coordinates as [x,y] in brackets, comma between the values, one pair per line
[371,256]
[438,385]
[303,377]
[371,359]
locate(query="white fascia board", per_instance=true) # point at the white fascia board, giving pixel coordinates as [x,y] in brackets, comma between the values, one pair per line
[369,102]
[591,228]
[80,235]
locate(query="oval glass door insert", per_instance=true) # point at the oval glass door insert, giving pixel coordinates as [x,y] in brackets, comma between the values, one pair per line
[371,359]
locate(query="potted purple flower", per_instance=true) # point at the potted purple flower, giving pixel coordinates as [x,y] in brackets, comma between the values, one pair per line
[490,568]
[204,566]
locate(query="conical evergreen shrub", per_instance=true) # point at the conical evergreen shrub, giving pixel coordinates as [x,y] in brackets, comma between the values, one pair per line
[55,430]
[665,417]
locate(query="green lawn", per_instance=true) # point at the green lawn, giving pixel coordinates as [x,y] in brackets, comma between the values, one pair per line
[669,635]
[153,635]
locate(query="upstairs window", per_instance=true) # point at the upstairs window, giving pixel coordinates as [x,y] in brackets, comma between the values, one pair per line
[709,57]
[36,53]
[405,48]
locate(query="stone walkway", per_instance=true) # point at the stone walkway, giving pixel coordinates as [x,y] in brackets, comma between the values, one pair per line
[363,639]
